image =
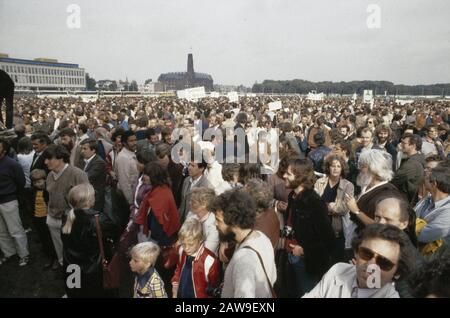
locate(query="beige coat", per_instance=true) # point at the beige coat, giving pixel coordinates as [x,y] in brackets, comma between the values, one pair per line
[340,208]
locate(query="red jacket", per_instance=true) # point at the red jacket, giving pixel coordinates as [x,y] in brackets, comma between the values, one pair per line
[205,271]
[162,203]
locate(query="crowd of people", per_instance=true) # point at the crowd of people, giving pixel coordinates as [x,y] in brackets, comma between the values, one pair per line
[343,199]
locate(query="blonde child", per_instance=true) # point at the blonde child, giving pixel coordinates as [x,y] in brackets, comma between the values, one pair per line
[40,199]
[198,268]
[148,283]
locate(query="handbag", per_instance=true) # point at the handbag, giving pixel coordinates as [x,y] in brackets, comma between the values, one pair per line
[111,271]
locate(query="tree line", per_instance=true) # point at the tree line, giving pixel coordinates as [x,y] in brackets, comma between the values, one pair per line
[298,86]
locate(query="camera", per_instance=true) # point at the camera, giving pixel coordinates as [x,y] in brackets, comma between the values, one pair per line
[287,232]
[214,292]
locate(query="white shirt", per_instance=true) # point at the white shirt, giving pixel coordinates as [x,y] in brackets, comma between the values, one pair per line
[86,162]
[365,190]
[140,182]
[25,161]
[214,174]
[83,137]
[194,182]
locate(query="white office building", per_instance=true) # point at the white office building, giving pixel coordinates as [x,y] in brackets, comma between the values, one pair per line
[43,74]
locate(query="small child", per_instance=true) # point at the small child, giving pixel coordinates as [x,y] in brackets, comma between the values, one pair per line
[198,268]
[148,283]
[40,199]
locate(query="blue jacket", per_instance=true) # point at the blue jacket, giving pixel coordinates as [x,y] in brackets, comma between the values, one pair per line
[12,179]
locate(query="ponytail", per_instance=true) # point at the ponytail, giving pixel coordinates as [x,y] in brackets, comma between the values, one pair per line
[67,228]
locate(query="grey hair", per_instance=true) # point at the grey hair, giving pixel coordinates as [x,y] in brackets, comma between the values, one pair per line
[102,132]
[379,163]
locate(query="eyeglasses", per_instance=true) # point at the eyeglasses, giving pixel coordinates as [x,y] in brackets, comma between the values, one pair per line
[370,122]
[367,254]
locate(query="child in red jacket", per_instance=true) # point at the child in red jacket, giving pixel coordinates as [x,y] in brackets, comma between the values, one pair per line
[198,268]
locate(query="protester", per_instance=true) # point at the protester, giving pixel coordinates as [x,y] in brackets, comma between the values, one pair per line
[80,242]
[383,246]
[61,179]
[13,239]
[251,271]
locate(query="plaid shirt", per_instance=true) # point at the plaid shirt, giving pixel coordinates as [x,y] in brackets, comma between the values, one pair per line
[154,288]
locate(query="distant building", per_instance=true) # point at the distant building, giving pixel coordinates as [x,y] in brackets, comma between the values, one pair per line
[182,80]
[225,88]
[106,85]
[152,87]
[43,74]
[231,88]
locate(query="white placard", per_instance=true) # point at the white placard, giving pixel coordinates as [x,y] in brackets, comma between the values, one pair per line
[181,94]
[315,97]
[354,97]
[195,93]
[404,101]
[368,96]
[192,93]
[214,95]
[233,97]
[275,105]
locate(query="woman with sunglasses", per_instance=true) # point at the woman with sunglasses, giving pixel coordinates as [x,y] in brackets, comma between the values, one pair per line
[383,255]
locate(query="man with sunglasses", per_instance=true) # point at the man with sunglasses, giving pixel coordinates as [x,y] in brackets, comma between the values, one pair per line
[383,254]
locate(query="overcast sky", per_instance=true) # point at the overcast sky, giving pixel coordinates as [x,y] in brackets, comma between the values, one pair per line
[237,41]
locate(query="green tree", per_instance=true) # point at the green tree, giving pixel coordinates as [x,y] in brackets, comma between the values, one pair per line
[90,83]
[113,86]
[134,86]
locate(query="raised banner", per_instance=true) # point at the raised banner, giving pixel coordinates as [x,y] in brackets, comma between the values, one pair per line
[233,97]
[275,105]
[315,97]
[368,96]
[194,93]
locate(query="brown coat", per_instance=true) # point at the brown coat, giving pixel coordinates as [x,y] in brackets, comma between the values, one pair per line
[268,223]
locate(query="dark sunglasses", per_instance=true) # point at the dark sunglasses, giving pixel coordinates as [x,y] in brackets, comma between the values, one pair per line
[367,254]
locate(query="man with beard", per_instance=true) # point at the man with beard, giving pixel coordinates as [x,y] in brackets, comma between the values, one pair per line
[251,272]
[409,176]
[382,247]
[384,134]
[375,172]
[126,170]
[69,140]
[309,236]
